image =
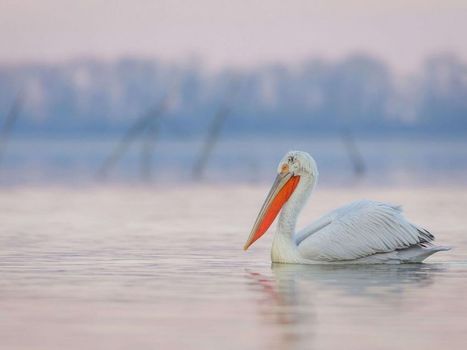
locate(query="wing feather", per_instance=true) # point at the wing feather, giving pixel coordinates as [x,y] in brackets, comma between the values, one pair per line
[358,230]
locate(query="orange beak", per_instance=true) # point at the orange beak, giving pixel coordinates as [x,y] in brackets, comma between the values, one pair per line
[280,192]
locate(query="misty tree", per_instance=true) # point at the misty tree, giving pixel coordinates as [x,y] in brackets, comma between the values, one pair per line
[443,94]
[359,92]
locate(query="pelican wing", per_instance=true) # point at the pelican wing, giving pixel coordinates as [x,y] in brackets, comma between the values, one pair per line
[358,230]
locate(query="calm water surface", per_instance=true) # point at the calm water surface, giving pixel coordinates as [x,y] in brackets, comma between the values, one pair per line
[163,268]
[392,161]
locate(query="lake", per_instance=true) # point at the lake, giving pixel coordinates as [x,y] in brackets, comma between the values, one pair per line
[162,267]
[386,161]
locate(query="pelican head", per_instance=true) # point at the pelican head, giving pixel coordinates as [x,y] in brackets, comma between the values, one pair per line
[294,168]
[298,163]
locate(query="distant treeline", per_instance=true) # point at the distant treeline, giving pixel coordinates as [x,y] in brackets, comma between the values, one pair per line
[317,96]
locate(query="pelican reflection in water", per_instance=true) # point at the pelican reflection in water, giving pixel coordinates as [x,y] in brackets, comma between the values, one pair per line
[296,297]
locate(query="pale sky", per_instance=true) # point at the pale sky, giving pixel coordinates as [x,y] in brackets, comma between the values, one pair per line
[232,32]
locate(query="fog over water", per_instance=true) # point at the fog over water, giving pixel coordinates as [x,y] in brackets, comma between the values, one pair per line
[414,161]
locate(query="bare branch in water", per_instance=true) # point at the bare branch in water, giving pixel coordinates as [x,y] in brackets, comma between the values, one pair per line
[214,131]
[10,120]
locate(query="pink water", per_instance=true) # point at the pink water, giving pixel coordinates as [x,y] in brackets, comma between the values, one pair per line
[163,268]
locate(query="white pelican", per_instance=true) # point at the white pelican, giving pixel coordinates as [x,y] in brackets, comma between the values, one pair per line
[365,231]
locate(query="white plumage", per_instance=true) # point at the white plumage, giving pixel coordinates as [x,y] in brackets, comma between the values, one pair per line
[362,229]
[360,232]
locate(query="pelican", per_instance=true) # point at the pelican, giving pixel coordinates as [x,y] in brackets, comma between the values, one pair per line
[362,232]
